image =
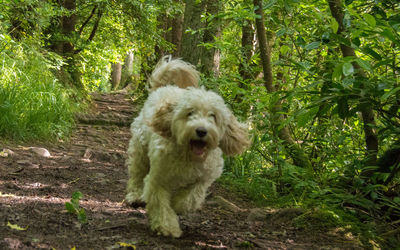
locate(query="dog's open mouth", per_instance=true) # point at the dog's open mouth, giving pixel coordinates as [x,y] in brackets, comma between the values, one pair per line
[198,147]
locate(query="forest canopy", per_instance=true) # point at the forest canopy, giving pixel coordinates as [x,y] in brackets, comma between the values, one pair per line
[317,82]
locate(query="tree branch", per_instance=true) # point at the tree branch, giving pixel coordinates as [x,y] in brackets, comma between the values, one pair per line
[95,26]
[87,20]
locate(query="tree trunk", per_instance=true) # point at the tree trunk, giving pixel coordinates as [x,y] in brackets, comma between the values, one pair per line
[116,75]
[68,23]
[368,116]
[246,51]
[175,27]
[127,70]
[64,46]
[210,56]
[191,31]
[176,34]
[295,152]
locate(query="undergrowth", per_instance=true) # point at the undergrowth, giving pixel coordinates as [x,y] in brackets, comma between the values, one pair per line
[33,104]
[325,207]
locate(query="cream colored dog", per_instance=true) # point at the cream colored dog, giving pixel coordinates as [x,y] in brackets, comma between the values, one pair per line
[175,152]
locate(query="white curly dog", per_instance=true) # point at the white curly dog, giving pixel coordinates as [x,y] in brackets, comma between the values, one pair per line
[175,152]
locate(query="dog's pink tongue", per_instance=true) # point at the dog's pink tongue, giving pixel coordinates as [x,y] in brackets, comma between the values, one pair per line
[198,147]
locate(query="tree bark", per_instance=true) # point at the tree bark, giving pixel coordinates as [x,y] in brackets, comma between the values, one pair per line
[264,47]
[210,56]
[127,70]
[68,23]
[295,152]
[246,51]
[191,31]
[116,75]
[176,34]
[367,113]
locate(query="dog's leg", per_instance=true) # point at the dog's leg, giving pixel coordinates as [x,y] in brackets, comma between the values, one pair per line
[158,206]
[191,198]
[138,168]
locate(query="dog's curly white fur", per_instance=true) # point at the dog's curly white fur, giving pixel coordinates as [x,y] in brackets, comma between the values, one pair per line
[175,152]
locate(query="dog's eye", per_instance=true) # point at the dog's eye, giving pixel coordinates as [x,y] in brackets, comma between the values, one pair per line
[214,117]
[190,113]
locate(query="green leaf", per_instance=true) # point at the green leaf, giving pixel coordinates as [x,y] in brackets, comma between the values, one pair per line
[347,69]
[364,64]
[70,208]
[383,62]
[281,32]
[389,93]
[312,45]
[284,49]
[337,73]
[334,25]
[341,39]
[392,37]
[77,195]
[372,53]
[304,117]
[369,19]
[269,4]
[82,216]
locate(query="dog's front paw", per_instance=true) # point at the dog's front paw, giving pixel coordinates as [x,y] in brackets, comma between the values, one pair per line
[170,228]
[166,231]
[133,199]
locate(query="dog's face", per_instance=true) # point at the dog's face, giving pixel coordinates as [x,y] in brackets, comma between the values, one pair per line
[200,121]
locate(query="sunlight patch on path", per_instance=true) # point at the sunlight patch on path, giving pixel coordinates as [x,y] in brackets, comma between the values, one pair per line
[89,204]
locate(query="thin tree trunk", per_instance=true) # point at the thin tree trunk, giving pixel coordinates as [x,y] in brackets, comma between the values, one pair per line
[210,56]
[191,31]
[367,113]
[176,32]
[116,75]
[295,152]
[246,51]
[127,70]
[264,47]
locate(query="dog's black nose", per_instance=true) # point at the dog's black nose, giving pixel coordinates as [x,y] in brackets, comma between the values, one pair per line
[201,131]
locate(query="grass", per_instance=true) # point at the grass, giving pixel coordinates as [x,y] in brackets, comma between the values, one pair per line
[33,104]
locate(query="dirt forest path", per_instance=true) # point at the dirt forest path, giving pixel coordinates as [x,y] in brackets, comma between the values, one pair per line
[34,188]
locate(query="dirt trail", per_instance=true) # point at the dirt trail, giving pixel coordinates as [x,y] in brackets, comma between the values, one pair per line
[34,189]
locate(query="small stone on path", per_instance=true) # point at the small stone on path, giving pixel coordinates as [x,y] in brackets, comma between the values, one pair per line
[40,151]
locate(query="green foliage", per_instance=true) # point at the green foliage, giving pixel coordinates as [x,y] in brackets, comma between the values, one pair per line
[32,102]
[321,93]
[74,208]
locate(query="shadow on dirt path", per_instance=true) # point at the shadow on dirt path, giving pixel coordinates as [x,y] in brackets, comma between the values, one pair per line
[34,188]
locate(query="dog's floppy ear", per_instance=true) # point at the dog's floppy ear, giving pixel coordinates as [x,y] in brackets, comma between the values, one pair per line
[161,120]
[236,138]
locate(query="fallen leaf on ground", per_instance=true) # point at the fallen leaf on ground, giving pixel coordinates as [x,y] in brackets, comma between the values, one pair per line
[16,227]
[123,244]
